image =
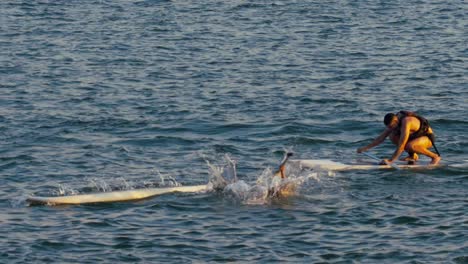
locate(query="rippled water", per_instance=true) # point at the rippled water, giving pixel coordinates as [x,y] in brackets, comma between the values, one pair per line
[101,95]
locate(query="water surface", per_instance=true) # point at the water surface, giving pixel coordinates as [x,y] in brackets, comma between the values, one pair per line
[101,95]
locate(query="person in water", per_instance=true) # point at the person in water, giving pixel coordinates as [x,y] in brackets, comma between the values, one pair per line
[411,133]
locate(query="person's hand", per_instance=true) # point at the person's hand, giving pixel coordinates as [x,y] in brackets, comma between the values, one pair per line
[385,162]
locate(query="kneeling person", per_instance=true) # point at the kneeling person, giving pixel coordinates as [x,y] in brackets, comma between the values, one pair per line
[411,133]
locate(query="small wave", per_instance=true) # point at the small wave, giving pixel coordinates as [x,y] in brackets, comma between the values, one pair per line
[158,141]
[404,220]
[461,259]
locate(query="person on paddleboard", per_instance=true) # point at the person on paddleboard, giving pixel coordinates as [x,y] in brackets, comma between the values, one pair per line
[411,133]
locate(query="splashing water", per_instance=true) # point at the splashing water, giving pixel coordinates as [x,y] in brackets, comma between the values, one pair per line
[221,176]
[167,180]
[108,185]
[99,184]
[65,190]
[266,187]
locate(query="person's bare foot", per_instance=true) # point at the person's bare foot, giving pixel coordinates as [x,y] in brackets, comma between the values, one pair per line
[435,161]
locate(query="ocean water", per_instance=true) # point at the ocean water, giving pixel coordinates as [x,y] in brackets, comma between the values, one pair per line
[104,95]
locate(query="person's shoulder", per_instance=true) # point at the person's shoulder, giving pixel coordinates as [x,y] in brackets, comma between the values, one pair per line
[409,120]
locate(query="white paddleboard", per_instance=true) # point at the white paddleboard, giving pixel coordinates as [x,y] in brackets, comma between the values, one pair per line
[115,196]
[338,166]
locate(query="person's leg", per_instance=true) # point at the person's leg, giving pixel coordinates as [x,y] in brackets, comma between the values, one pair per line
[283,171]
[421,145]
[411,158]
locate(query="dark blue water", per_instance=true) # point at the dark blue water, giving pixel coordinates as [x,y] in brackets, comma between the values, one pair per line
[102,95]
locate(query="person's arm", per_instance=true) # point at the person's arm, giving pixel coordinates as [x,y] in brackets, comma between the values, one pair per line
[377,141]
[404,136]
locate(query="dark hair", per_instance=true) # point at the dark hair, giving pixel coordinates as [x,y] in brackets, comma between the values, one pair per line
[388,118]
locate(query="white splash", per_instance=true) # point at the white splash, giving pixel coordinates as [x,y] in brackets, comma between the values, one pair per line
[63,189]
[265,188]
[99,184]
[167,180]
[221,176]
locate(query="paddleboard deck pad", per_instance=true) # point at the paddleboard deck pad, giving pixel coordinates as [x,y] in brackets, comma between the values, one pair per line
[115,196]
